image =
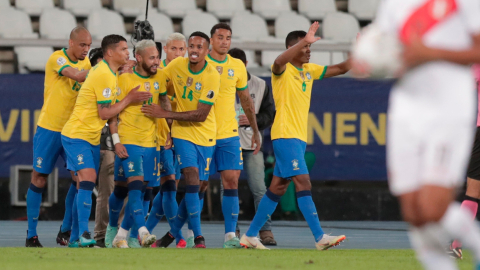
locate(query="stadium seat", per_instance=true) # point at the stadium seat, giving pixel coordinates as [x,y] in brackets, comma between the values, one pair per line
[198,22]
[130,8]
[270,9]
[290,22]
[320,58]
[15,24]
[102,22]
[251,59]
[161,23]
[249,27]
[316,9]
[33,7]
[82,8]
[51,29]
[339,26]
[338,57]
[177,8]
[31,59]
[363,9]
[224,9]
[5,3]
[268,57]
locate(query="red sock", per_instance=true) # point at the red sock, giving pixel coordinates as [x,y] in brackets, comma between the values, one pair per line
[472,207]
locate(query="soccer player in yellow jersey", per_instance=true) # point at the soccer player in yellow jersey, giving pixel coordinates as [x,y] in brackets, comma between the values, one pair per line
[292,80]
[196,86]
[165,203]
[95,104]
[65,70]
[227,158]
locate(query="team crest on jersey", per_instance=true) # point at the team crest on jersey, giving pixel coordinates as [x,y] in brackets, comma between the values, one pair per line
[120,171]
[308,76]
[231,73]
[220,70]
[130,166]
[39,162]
[107,92]
[156,85]
[189,81]
[61,61]
[147,86]
[198,86]
[80,159]
[295,164]
[210,94]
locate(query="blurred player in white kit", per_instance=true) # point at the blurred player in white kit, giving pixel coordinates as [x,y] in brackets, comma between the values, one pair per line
[431,121]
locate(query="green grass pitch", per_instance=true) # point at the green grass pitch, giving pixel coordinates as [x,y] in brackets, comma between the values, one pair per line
[91,259]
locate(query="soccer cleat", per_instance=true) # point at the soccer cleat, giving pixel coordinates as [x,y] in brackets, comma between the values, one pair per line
[190,242]
[455,252]
[181,244]
[63,237]
[251,242]
[232,243]
[133,243]
[100,243]
[199,242]
[329,241]
[147,239]
[73,244]
[165,241]
[119,243]
[33,242]
[110,235]
[86,240]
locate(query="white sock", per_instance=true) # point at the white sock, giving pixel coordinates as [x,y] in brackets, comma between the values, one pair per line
[142,230]
[122,233]
[229,236]
[459,224]
[429,251]
[190,234]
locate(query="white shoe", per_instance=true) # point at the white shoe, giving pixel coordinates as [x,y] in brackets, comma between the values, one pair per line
[251,242]
[329,241]
[147,239]
[119,243]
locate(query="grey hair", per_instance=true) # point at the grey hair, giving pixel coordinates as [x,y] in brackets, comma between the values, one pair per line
[143,44]
[176,36]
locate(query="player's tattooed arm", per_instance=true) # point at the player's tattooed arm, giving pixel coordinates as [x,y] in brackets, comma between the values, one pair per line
[280,63]
[167,106]
[74,74]
[107,111]
[198,115]
[249,109]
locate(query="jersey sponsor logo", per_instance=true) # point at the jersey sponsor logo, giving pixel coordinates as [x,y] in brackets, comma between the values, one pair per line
[147,86]
[39,162]
[308,76]
[220,70]
[189,81]
[61,61]
[107,92]
[231,73]
[295,164]
[80,159]
[198,86]
[156,85]
[130,167]
[210,94]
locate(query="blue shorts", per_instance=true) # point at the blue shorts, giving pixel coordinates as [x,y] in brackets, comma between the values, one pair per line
[227,155]
[81,154]
[47,146]
[141,161]
[289,157]
[191,155]
[168,163]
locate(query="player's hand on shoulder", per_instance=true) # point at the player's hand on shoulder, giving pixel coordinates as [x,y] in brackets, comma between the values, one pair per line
[128,67]
[154,110]
[121,151]
[310,37]
[138,96]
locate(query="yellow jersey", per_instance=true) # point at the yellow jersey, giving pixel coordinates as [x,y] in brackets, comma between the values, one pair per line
[292,91]
[233,78]
[60,92]
[192,88]
[100,87]
[162,127]
[134,127]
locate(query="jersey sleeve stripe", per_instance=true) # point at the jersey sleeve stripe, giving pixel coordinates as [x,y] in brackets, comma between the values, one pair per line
[104,101]
[163,94]
[278,74]
[206,102]
[323,73]
[61,69]
[243,88]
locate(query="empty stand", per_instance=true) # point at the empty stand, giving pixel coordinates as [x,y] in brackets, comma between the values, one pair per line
[51,29]
[339,26]
[363,9]
[102,22]
[31,59]
[224,9]
[248,27]
[176,8]
[15,24]
[290,22]
[130,8]
[198,22]
[270,9]
[33,7]
[316,9]
[161,23]
[82,8]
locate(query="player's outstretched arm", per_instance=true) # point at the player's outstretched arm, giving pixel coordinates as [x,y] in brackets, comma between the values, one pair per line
[338,69]
[249,109]
[107,111]
[198,115]
[280,63]
[74,74]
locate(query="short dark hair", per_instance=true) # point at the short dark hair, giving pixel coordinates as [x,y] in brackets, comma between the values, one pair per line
[111,41]
[292,37]
[239,54]
[220,26]
[200,34]
[94,55]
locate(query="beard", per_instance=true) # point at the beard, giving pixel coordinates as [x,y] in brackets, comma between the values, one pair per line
[148,69]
